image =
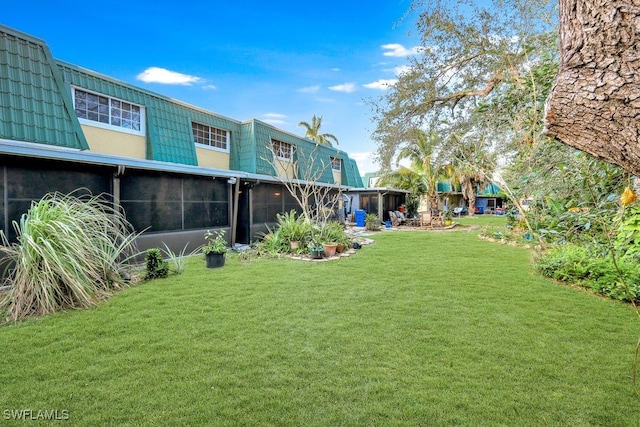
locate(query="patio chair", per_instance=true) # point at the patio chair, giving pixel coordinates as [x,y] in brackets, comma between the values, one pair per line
[426,219]
[395,221]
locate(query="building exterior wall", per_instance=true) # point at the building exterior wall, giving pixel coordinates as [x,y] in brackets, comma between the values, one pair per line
[38,106]
[285,169]
[115,143]
[209,158]
[337,177]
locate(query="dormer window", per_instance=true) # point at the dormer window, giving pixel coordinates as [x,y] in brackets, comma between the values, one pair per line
[336,164]
[282,150]
[210,136]
[111,113]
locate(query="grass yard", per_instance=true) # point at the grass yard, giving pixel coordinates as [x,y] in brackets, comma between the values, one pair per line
[419,328]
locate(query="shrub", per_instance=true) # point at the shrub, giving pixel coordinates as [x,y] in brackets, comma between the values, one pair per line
[333,232]
[292,228]
[372,222]
[157,267]
[577,265]
[272,244]
[215,243]
[69,253]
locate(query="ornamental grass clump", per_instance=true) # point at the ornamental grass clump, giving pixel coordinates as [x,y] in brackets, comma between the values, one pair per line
[69,254]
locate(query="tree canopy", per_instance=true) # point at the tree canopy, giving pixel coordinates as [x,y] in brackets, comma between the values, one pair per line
[312,131]
[482,74]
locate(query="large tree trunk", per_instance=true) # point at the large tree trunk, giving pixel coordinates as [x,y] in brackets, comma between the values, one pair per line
[469,193]
[595,102]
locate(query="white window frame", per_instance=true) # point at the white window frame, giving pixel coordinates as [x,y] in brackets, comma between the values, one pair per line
[336,164]
[109,126]
[280,149]
[211,130]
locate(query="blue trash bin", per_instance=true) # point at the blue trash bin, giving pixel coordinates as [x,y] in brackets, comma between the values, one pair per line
[360,217]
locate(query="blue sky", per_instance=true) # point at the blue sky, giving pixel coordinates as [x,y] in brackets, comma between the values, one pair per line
[277,61]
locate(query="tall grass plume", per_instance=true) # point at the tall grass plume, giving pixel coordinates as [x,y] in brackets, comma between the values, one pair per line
[69,253]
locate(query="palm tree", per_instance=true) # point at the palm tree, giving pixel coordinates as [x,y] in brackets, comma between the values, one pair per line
[408,179]
[470,167]
[313,131]
[422,153]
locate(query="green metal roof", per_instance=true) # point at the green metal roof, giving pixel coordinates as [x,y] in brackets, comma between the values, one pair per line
[169,134]
[351,173]
[35,105]
[244,156]
[309,156]
[367,178]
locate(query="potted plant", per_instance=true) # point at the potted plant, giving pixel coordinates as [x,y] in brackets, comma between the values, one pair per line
[294,230]
[333,237]
[372,222]
[215,248]
[330,249]
[448,217]
[316,251]
[344,242]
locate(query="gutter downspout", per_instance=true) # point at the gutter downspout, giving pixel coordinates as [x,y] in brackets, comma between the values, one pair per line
[234,212]
[116,184]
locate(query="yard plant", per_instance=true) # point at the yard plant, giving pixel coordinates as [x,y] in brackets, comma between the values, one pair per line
[70,252]
[418,328]
[215,243]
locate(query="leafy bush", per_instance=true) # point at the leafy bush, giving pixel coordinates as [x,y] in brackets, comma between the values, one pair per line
[69,253]
[272,243]
[577,265]
[372,222]
[215,243]
[157,267]
[293,229]
[628,237]
[333,232]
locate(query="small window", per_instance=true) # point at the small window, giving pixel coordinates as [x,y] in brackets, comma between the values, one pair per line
[213,137]
[282,150]
[109,112]
[336,164]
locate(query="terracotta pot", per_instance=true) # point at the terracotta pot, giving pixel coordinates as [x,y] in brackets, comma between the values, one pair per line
[329,249]
[340,248]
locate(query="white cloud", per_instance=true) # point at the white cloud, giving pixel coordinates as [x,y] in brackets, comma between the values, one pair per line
[209,87]
[309,89]
[274,121]
[274,118]
[365,161]
[164,76]
[398,50]
[335,69]
[381,84]
[345,87]
[401,70]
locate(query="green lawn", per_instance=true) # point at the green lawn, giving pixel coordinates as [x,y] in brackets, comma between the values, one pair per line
[419,328]
[482,220]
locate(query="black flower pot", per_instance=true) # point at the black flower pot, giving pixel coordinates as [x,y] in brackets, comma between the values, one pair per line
[215,260]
